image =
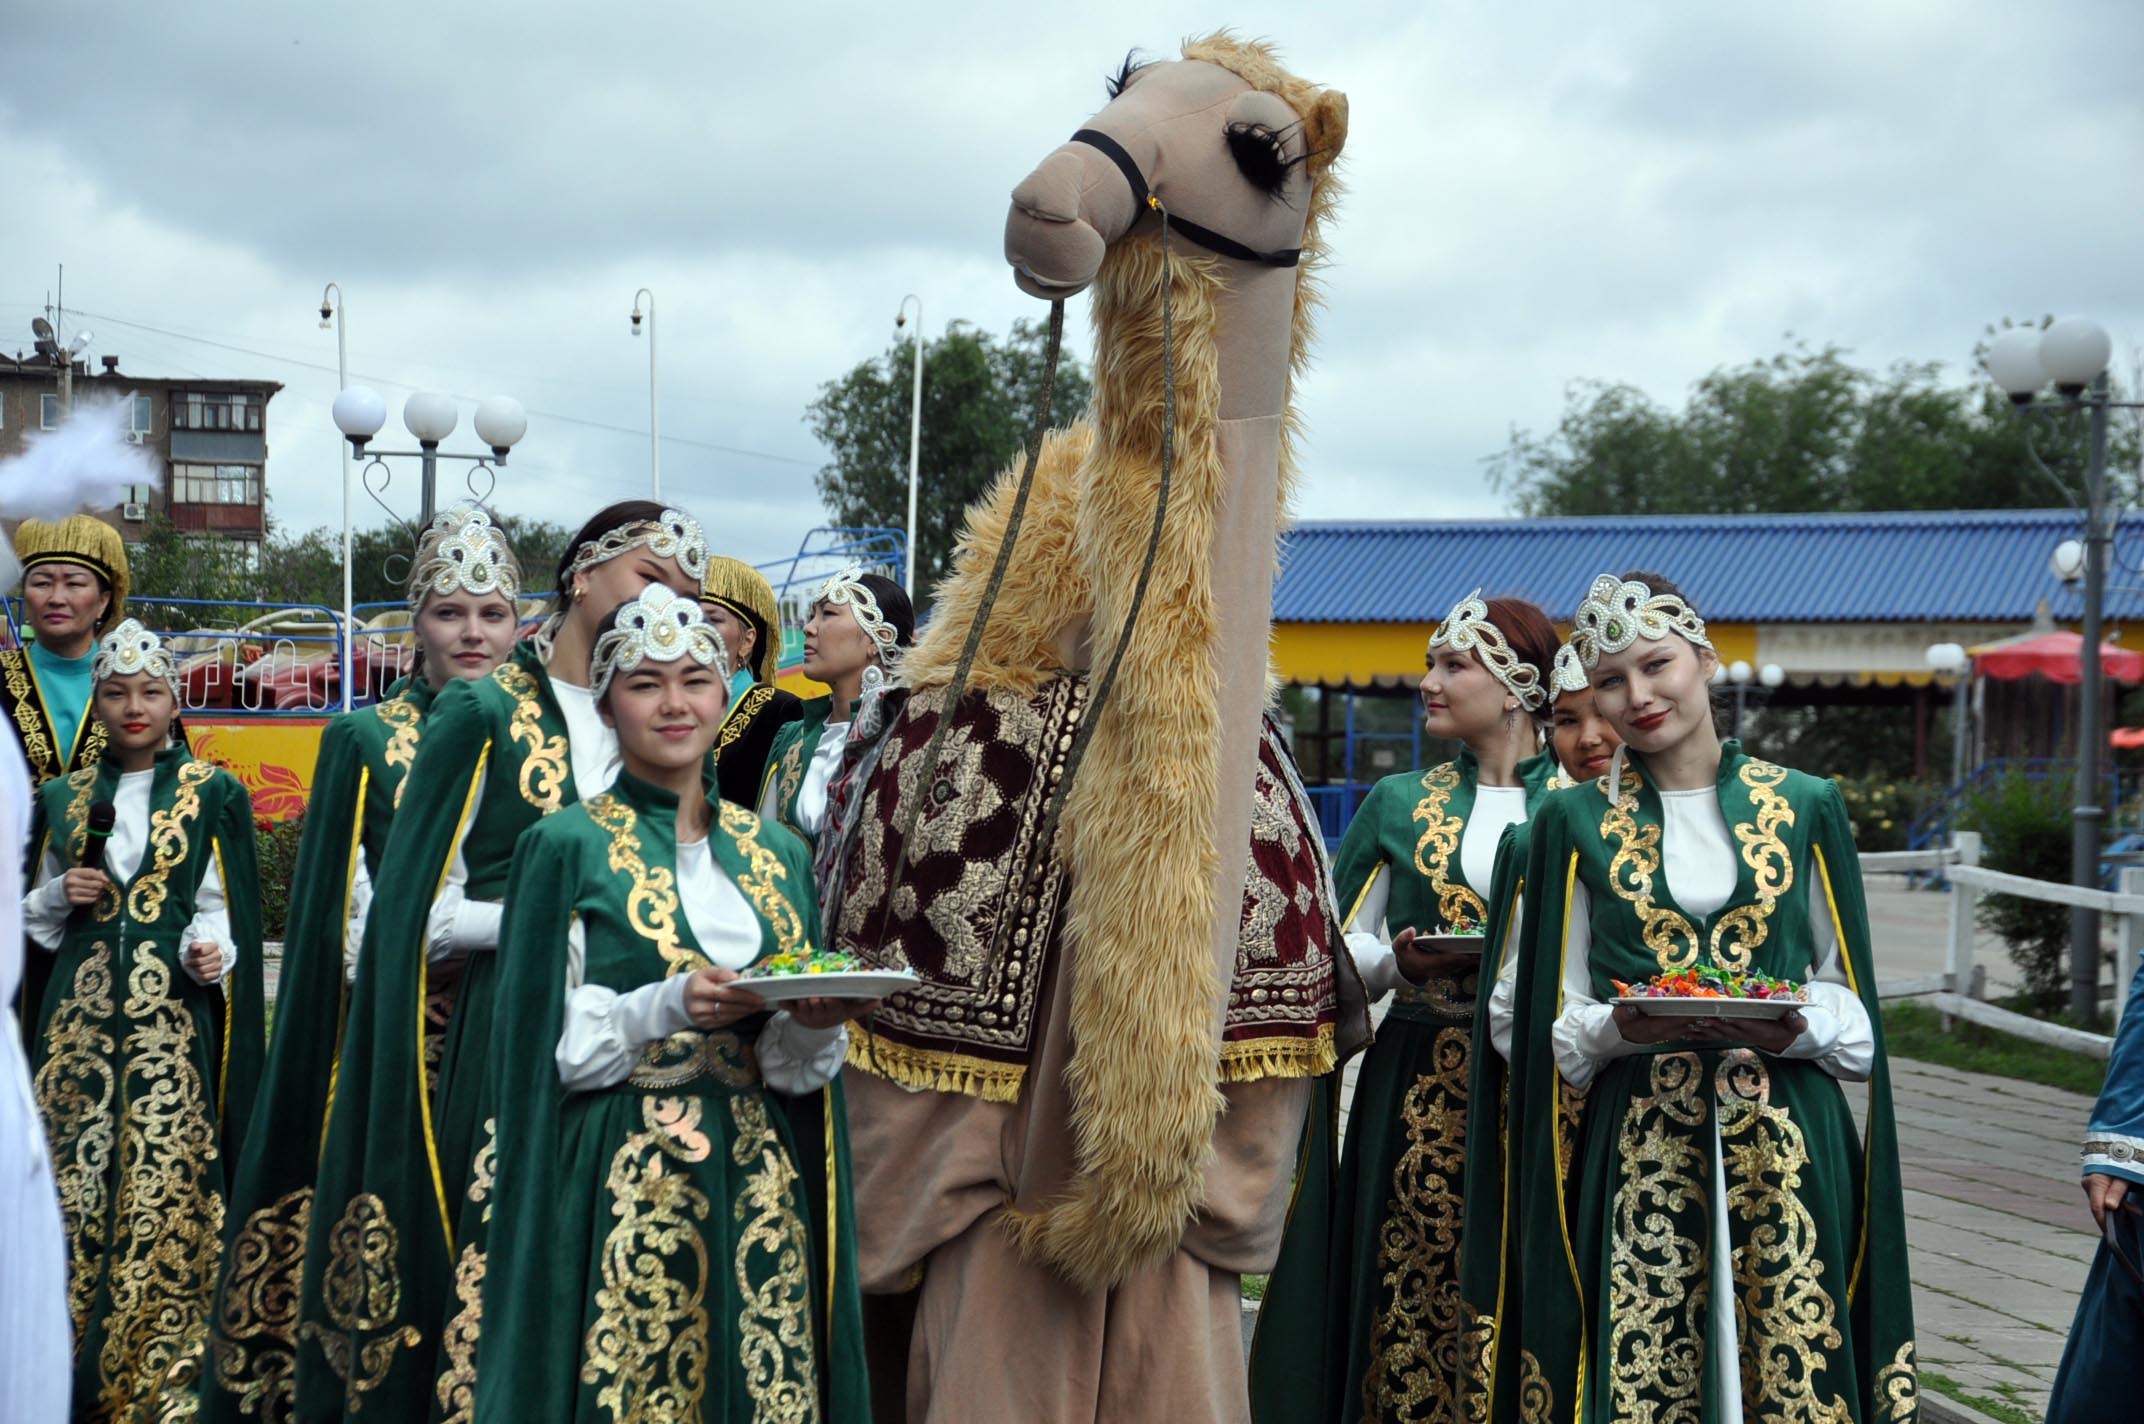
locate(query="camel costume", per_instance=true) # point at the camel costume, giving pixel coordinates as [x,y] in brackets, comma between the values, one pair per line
[1035,1131]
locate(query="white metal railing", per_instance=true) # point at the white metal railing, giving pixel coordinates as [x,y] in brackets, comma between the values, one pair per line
[1957,990]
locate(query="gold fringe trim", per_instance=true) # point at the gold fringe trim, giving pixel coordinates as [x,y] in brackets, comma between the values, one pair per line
[1252,1059]
[932,1071]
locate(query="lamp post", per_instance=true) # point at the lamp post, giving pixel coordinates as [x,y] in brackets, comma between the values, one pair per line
[1951,659]
[331,311]
[915,440]
[2072,354]
[655,419]
[1739,674]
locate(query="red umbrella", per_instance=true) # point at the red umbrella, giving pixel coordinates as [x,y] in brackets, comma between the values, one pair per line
[2053,656]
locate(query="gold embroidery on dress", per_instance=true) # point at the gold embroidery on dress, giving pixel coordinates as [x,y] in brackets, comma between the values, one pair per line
[167,843]
[1477,1359]
[761,882]
[648,1350]
[74,1093]
[37,747]
[740,719]
[1630,874]
[1786,1319]
[1898,1386]
[790,777]
[1440,839]
[1658,1281]
[1537,1400]
[1416,1355]
[1742,930]
[403,716]
[167,1208]
[774,1342]
[651,905]
[259,1302]
[83,783]
[439,1002]
[457,1383]
[361,1290]
[543,765]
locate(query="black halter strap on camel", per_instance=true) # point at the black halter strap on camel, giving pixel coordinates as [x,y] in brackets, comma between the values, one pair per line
[1205,237]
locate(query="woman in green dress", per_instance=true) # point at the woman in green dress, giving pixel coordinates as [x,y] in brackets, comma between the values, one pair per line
[1731,1246]
[654,1251]
[859,626]
[462,589]
[1361,1316]
[388,1314]
[147,1047]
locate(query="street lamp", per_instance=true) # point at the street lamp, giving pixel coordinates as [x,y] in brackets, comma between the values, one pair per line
[915,440]
[431,417]
[2072,354]
[655,419]
[331,313]
[1739,673]
[1952,661]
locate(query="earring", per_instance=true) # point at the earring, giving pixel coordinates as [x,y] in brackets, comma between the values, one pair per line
[874,677]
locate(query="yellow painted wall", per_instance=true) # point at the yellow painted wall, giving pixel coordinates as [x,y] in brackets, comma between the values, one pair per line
[1361,654]
[273,756]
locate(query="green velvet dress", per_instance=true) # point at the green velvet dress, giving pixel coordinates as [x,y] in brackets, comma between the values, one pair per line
[364,756]
[1604,1306]
[788,760]
[1360,1320]
[396,1152]
[664,1249]
[145,1080]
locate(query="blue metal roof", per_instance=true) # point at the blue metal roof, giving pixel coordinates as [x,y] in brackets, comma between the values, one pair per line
[1933,565]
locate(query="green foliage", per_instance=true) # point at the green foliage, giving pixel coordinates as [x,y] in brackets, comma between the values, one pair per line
[979,399]
[1803,430]
[1913,1031]
[2024,824]
[278,845]
[1882,810]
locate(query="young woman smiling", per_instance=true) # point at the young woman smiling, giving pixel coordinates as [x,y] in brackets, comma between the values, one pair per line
[461,595]
[657,1131]
[1730,1246]
[498,754]
[1417,860]
[147,1047]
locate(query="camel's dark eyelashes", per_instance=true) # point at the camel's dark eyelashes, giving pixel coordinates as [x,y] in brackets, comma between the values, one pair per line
[1132,65]
[1261,155]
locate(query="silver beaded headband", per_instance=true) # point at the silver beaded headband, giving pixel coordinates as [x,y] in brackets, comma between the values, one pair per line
[472,558]
[847,589]
[131,648]
[1569,674]
[1617,613]
[1467,629]
[662,626]
[673,535]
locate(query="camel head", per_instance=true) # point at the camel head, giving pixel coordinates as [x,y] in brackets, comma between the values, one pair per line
[1230,143]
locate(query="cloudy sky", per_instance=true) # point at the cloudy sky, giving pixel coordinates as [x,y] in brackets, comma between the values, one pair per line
[1537,194]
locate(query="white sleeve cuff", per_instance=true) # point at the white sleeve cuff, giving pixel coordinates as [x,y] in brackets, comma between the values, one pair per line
[1585,1038]
[461,926]
[794,1059]
[1375,962]
[2114,1154]
[44,913]
[1503,1009]
[1839,1038]
[604,1031]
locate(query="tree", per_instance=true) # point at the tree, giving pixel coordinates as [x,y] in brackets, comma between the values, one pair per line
[979,398]
[1803,430]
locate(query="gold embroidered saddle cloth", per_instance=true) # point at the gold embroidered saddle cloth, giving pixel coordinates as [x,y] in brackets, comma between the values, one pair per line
[976,908]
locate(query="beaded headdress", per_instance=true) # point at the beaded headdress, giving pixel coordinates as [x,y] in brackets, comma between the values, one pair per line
[1569,674]
[131,648]
[661,625]
[673,534]
[847,589]
[1617,613]
[472,558]
[1467,629]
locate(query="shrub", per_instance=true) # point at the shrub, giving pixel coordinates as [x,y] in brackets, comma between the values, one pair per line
[2024,824]
[278,842]
[1882,809]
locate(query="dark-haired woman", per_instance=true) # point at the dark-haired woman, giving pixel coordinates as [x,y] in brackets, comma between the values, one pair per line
[461,595]
[657,1251]
[1362,1318]
[147,1047]
[1731,1246]
[389,1307]
[860,623]
[740,604]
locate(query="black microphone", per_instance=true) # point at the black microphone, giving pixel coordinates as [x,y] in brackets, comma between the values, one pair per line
[103,815]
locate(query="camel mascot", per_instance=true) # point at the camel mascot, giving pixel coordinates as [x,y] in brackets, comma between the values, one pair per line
[1080,1130]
